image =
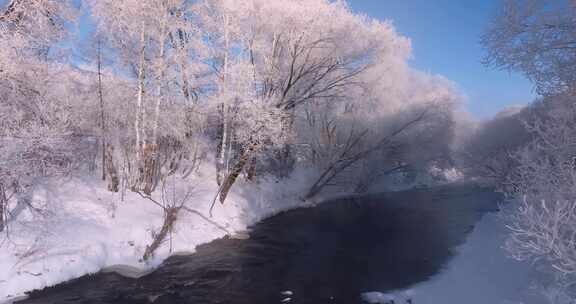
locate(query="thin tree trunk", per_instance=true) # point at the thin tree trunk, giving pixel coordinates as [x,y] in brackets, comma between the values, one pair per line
[222,163]
[251,170]
[179,45]
[148,175]
[170,217]
[151,151]
[185,84]
[348,158]
[229,181]
[141,141]
[183,67]
[3,207]
[159,81]
[222,159]
[219,133]
[140,99]
[111,171]
[102,120]
[234,173]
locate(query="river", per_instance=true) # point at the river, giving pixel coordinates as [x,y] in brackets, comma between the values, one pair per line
[330,253]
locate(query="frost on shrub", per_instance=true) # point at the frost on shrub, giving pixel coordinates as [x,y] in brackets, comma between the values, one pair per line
[543,223]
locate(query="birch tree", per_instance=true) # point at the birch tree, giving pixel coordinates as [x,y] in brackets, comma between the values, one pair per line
[164,41]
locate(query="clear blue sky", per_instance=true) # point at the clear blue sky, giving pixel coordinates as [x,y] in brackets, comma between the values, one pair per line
[445,38]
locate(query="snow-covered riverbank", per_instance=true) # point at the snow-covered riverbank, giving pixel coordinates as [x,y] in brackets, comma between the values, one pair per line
[84,228]
[87,229]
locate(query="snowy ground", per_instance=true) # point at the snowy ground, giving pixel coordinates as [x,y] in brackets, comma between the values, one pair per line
[86,228]
[479,274]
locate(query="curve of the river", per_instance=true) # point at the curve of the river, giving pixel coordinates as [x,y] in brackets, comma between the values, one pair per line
[330,253]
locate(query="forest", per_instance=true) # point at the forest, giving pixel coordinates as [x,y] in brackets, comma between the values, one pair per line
[134,129]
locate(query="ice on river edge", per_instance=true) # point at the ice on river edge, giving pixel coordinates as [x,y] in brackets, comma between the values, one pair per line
[375,297]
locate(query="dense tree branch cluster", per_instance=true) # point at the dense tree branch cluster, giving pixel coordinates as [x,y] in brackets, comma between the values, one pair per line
[537,37]
[259,87]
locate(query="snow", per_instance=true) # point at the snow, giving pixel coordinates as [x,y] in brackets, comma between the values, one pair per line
[375,297]
[86,228]
[480,273]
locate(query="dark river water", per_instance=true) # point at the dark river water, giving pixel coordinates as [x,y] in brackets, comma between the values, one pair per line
[327,254]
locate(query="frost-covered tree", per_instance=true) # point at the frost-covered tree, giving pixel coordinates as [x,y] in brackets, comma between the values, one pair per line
[300,65]
[542,225]
[291,52]
[262,87]
[304,93]
[537,38]
[287,55]
[160,46]
[487,154]
[35,124]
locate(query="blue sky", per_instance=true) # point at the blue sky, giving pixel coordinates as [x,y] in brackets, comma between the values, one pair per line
[445,38]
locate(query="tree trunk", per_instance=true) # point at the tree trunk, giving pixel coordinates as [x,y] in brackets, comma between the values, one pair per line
[151,151]
[234,173]
[3,207]
[149,174]
[251,170]
[159,82]
[222,157]
[223,147]
[111,171]
[179,44]
[140,99]
[170,217]
[102,120]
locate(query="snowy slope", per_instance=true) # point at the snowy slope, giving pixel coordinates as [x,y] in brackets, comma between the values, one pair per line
[87,228]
